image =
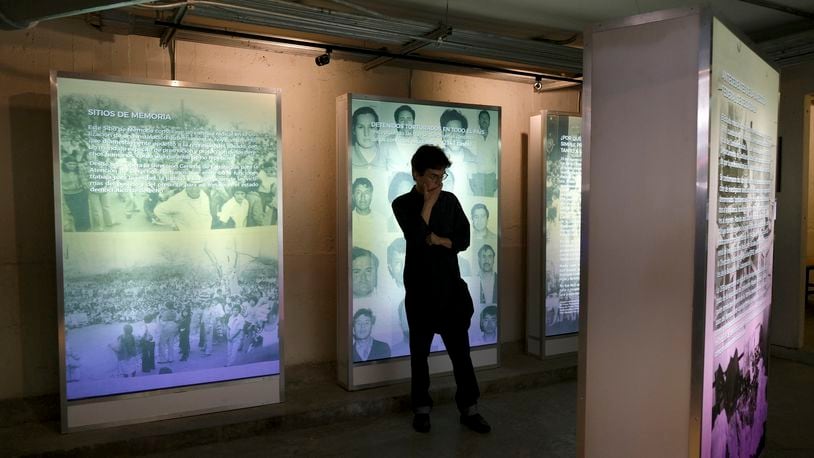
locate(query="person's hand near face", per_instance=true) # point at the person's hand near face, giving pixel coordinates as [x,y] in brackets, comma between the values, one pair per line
[430,185]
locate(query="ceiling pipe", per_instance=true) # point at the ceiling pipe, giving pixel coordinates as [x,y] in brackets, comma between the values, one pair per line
[17,14]
[784,8]
[367,52]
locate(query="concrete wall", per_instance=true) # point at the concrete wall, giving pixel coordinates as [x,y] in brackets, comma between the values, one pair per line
[788,307]
[28,310]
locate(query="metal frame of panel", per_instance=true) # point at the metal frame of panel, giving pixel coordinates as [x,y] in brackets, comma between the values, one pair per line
[246,388]
[360,375]
[537,343]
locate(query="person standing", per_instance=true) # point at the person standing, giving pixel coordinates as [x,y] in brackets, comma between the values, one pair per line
[234,334]
[169,334]
[149,335]
[211,317]
[184,323]
[437,299]
[188,210]
[126,352]
[74,180]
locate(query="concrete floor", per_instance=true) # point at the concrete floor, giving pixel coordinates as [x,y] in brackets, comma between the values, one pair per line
[539,422]
[535,422]
[530,403]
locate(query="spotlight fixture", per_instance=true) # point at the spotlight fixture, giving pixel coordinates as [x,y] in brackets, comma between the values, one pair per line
[323,59]
[538,84]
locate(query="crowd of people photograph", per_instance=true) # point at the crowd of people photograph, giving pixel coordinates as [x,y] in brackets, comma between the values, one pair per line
[166,319]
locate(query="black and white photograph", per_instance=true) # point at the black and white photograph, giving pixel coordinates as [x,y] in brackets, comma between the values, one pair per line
[383,136]
[169,211]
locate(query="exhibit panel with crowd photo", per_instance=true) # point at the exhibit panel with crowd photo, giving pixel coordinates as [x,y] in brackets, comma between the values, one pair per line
[742,164]
[168,202]
[382,135]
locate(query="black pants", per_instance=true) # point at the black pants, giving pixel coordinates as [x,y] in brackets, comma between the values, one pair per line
[183,343]
[457,344]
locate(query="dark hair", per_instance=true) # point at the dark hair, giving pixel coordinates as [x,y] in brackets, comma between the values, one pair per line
[367,312]
[355,118]
[357,252]
[488,310]
[395,182]
[479,206]
[361,181]
[452,114]
[403,108]
[484,248]
[486,113]
[429,157]
[396,246]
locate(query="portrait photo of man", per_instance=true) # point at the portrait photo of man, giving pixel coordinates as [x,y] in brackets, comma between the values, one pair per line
[364,272]
[481,234]
[365,139]
[402,143]
[365,347]
[484,181]
[487,277]
[488,324]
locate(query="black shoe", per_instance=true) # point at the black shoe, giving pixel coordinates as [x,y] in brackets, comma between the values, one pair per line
[476,423]
[421,422]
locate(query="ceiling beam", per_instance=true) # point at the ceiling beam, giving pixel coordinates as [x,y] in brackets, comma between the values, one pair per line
[367,52]
[413,45]
[784,8]
[17,14]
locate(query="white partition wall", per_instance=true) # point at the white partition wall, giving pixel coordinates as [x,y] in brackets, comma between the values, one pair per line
[554,182]
[680,137]
[376,138]
[169,248]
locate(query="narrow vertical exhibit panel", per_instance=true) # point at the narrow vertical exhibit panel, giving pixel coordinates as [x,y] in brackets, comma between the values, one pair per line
[554,232]
[743,107]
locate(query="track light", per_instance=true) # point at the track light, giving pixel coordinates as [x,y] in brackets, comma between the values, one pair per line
[538,84]
[323,59]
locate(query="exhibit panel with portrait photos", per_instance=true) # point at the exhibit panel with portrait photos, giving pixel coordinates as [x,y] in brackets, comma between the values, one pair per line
[169,238]
[742,163]
[381,137]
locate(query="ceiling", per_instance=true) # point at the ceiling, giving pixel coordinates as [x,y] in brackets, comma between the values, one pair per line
[518,39]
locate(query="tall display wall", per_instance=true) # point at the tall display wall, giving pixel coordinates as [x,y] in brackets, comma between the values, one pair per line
[744,102]
[554,184]
[680,193]
[168,222]
[376,138]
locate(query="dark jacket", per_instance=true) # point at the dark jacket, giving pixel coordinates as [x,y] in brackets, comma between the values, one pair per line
[436,296]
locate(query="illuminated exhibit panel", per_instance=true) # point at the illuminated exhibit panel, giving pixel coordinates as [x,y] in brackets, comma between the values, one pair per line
[563,194]
[382,135]
[743,129]
[168,205]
